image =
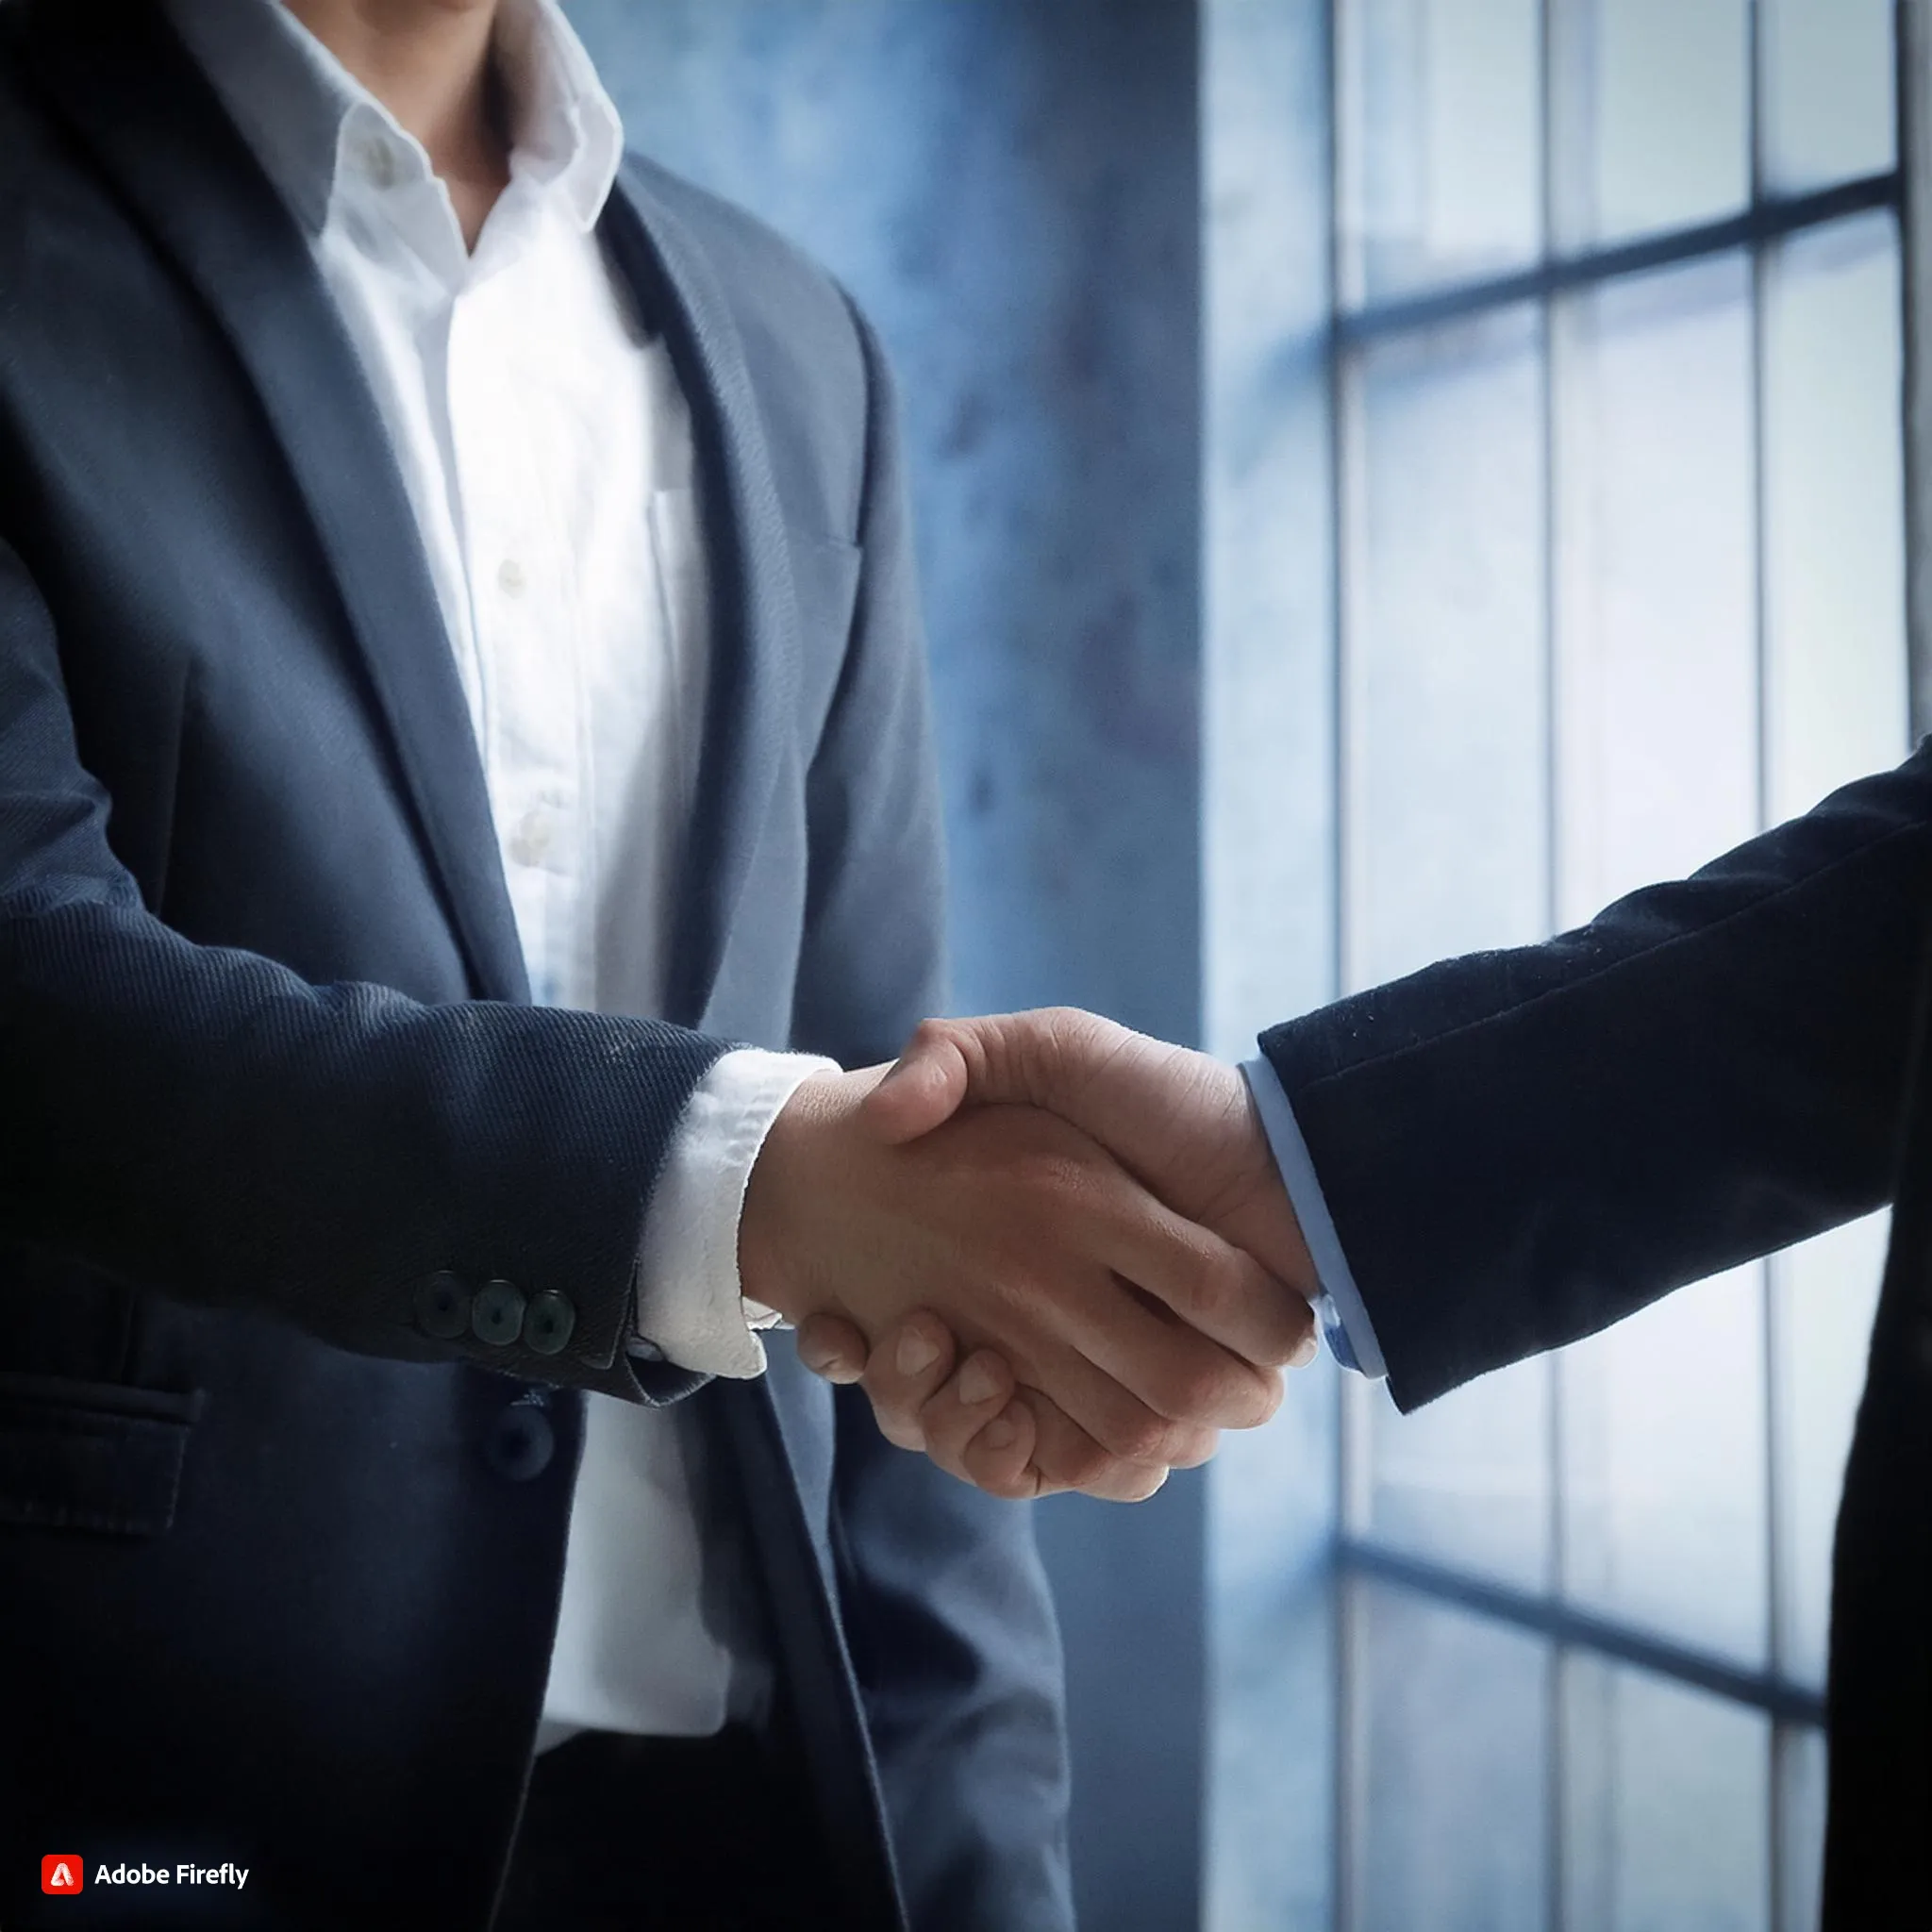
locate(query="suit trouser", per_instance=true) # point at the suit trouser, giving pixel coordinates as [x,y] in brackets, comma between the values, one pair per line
[624,1834]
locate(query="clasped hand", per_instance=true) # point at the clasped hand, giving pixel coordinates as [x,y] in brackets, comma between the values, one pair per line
[1055,1254]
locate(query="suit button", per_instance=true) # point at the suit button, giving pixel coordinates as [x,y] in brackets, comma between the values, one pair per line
[548,1325]
[520,1443]
[497,1314]
[443,1308]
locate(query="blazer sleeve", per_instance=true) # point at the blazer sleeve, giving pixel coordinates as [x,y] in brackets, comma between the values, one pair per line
[946,1600]
[1518,1148]
[204,1123]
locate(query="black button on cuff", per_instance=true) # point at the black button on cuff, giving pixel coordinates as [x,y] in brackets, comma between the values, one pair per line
[443,1308]
[497,1315]
[549,1324]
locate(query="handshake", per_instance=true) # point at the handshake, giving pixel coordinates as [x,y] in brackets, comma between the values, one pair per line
[1057,1255]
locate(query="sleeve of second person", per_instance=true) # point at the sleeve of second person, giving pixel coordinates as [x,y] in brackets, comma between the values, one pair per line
[1339,1306]
[1517,1148]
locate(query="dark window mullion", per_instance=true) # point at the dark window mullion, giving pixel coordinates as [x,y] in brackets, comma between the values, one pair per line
[1350,1664]
[1764,223]
[1763,270]
[1564,1623]
[1554,126]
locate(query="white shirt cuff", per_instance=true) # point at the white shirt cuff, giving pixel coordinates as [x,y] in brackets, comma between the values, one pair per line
[1344,1314]
[690,1307]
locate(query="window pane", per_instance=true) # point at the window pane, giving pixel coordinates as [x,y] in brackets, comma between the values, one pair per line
[1663,1468]
[1452,1771]
[1666,1805]
[1272,1648]
[1836,687]
[1829,108]
[1658,654]
[1446,803]
[1801,1828]
[1653,126]
[1440,102]
[1827,1293]
[1466,1480]
[1447,815]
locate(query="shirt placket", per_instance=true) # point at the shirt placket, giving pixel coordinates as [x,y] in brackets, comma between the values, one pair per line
[527,649]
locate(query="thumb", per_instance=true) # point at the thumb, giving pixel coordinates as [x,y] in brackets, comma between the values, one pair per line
[923,1090]
[1033,1058]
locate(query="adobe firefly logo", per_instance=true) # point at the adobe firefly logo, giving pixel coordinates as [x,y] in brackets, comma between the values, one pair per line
[61,1873]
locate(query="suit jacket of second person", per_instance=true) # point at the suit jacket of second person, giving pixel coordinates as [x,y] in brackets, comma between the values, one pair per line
[1518,1148]
[279,1557]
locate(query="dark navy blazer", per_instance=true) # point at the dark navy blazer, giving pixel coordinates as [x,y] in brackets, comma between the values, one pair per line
[279,1558]
[1521,1147]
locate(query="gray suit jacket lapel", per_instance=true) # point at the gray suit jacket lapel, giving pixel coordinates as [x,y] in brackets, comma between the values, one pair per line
[130,90]
[754,611]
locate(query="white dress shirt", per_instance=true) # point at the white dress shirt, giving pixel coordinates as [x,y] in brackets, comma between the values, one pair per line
[547,453]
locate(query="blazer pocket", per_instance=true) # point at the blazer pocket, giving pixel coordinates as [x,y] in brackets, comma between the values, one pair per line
[92,1454]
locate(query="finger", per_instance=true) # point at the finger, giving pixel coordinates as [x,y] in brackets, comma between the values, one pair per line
[974,1429]
[1142,1362]
[999,1460]
[833,1347]
[1065,1458]
[1215,1288]
[1119,1422]
[923,1090]
[913,1360]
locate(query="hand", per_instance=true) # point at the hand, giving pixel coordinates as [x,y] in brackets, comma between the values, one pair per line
[1181,1122]
[1127,1323]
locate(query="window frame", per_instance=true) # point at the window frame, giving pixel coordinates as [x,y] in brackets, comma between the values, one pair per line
[1362,1560]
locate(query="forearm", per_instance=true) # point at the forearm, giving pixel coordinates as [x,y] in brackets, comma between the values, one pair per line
[1518,1148]
[203,1122]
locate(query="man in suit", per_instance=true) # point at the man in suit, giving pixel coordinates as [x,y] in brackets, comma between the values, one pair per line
[1504,1153]
[464,780]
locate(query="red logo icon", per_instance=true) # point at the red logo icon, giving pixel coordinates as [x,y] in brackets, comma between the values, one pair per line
[61,1873]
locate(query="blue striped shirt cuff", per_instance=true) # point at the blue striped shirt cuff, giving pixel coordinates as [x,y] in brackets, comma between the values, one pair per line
[1343,1316]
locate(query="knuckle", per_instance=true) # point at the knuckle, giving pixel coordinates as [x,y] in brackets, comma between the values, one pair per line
[900,1434]
[1201,1390]
[1010,1486]
[1280,1321]
[1212,1284]
[896,1408]
[1197,1447]
[1080,1465]
[1142,1438]
[1269,1396]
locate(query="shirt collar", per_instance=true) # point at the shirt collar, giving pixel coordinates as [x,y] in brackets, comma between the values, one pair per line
[296,104]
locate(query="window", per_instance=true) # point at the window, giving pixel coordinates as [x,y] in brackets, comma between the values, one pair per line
[1601,410]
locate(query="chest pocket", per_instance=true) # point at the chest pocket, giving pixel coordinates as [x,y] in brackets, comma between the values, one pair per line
[824,579]
[92,1456]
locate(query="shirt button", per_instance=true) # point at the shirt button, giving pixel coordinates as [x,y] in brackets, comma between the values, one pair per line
[511,579]
[496,1316]
[531,839]
[521,1444]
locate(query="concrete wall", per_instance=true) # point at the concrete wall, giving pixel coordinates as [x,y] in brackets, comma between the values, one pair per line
[1012,190]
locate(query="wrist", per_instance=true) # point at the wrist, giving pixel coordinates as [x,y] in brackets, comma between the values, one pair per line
[1264,1222]
[774,1251]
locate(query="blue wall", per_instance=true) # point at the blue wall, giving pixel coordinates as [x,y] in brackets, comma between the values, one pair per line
[1012,190]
